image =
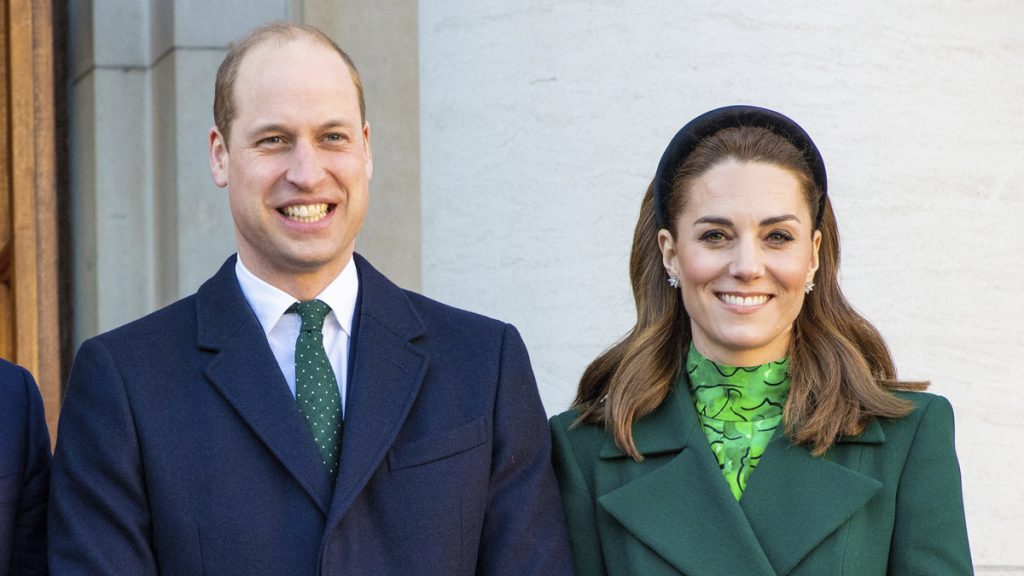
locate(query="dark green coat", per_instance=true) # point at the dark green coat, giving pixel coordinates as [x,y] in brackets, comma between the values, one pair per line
[885,502]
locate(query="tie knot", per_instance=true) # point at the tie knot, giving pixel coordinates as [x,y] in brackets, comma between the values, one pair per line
[312,312]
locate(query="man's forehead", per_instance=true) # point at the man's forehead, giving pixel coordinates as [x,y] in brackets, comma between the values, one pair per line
[290,64]
[285,50]
[283,82]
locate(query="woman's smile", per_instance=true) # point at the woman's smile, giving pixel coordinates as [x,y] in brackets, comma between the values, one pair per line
[739,300]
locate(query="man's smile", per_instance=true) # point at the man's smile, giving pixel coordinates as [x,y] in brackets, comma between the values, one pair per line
[306,213]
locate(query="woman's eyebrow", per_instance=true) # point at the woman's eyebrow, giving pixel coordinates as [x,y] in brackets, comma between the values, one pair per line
[777,219]
[721,221]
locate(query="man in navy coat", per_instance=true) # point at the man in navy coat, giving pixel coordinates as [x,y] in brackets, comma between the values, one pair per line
[190,442]
[24,473]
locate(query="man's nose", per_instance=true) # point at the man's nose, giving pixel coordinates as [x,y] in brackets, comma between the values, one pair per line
[306,169]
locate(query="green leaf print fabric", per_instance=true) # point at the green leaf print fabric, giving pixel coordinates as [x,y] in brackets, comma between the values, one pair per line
[739,410]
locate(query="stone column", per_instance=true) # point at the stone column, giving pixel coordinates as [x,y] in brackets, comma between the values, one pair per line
[148,223]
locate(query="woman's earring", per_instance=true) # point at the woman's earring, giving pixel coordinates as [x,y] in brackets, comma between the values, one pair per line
[808,287]
[673,280]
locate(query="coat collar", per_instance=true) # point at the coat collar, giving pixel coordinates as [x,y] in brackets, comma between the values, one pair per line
[684,511]
[245,372]
[386,374]
[387,370]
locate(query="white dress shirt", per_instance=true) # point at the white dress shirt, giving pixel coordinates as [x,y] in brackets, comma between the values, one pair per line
[282,330]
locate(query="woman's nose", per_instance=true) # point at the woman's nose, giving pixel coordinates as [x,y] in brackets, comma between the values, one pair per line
[748,261]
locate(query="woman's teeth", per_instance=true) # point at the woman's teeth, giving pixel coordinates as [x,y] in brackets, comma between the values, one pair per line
[743,300]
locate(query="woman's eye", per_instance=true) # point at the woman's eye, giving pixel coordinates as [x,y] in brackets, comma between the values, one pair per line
[713,236]
[779,237]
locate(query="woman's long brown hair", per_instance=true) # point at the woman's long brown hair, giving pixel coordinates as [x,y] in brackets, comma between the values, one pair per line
[841,372]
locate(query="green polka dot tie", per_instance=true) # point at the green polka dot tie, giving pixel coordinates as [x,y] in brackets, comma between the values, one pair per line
[316,388]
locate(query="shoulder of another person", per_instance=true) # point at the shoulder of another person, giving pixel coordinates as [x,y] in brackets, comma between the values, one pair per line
[18,386]
[12,378]
[21,409]
[14,397]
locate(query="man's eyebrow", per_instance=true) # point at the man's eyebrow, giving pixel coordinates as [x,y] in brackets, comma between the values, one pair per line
[339,123]
[277,127]
[264,128]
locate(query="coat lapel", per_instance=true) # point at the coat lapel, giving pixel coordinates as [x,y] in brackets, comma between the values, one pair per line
[794,501]
[245,372]
[387,371]
[683,509]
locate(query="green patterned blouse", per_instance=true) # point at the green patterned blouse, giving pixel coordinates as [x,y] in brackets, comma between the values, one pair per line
[739,409]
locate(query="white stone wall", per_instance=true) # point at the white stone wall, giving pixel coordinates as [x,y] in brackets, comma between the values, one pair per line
[542,122]
[149,225]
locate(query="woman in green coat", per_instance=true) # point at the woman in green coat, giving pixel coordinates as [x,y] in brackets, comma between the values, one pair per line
[751,422]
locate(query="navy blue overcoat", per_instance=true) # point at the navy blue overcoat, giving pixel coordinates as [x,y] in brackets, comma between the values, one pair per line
[181,450]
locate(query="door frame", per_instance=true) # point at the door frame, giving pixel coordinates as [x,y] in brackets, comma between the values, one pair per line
[29,259]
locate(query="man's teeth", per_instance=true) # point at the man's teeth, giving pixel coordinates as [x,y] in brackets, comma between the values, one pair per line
[743,301]
[305,212]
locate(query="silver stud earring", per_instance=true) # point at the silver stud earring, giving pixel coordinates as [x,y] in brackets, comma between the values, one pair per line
[808,287]
[673,280]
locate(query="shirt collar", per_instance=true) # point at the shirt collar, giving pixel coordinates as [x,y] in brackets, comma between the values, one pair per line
[270,303]
[758,392]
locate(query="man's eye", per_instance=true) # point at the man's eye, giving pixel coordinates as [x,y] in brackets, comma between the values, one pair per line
[272,140]
[334,137]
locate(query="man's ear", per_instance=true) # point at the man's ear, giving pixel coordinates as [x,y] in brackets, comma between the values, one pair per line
[218,158]
[369,151]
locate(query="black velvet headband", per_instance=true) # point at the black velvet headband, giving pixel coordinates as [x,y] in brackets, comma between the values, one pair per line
[706,124]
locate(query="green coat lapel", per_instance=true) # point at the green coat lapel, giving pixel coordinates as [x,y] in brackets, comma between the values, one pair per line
[794,501]
[676,501]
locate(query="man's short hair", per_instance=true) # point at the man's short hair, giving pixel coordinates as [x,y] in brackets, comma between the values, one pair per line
[223,96]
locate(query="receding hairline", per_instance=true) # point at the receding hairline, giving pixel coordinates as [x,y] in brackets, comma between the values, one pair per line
[280,34]
[274,33]
[274,44]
